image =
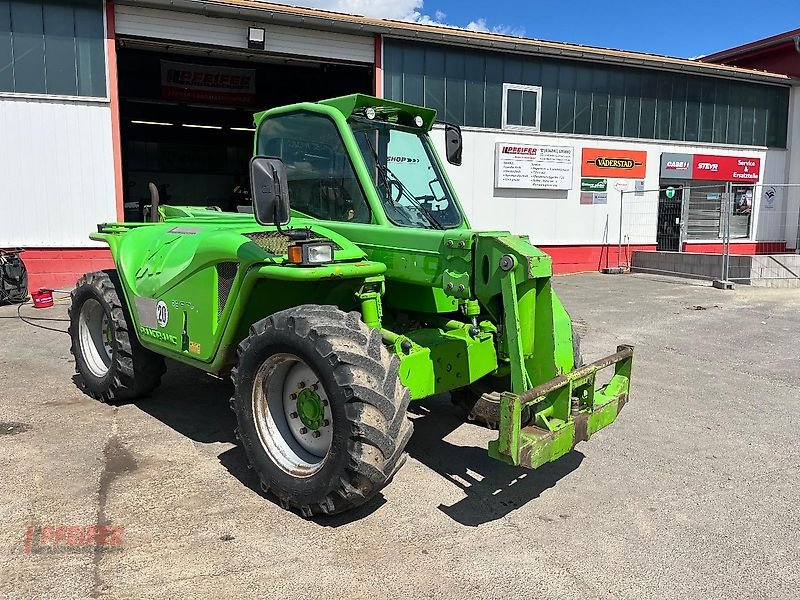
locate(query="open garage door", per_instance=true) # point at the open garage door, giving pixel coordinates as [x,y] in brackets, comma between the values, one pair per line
[187,117]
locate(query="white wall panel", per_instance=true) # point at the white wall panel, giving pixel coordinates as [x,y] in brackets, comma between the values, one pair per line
[557,217]
[793,170]
[232,33]
[56,172]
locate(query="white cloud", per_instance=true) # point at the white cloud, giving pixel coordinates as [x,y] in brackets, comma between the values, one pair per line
[401,10]
[482,26]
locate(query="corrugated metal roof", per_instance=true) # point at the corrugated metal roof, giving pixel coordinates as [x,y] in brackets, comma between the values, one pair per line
[752,47]
[327,20]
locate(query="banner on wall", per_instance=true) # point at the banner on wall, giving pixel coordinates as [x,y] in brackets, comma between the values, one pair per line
[623,164]
[710,167]
[726,168]
[207,83]
[523,166]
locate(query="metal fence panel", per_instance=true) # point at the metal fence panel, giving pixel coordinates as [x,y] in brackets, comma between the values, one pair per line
[716,231]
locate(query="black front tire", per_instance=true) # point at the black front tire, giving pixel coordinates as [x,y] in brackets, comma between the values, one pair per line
[367,404]
[124,370]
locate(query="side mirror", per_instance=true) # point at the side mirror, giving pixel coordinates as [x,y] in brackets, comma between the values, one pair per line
[269,190]
[453,143]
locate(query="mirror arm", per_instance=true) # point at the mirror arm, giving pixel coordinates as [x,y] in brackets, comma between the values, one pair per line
[292,234]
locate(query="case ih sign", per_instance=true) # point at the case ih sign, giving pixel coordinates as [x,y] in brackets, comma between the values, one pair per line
[710,167]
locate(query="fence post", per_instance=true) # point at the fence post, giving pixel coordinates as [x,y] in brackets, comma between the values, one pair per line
[619,246]
[725,215]
[619,268]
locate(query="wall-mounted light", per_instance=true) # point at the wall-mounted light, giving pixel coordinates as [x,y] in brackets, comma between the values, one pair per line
[256,38]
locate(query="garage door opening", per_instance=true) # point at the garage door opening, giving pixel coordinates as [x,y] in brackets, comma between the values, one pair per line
[186,121]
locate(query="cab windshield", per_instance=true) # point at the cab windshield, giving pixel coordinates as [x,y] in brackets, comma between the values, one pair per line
[406,174]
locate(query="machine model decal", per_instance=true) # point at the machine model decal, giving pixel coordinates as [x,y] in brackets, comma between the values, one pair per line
[158,335]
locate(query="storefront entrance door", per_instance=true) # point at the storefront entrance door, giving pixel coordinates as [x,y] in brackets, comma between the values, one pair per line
[668,234]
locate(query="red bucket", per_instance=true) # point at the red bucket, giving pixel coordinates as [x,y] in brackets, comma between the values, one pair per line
[43,298]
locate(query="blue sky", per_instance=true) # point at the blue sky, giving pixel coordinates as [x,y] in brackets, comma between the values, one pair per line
[684,28]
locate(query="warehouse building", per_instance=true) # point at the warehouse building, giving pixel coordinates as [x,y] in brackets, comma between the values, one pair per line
[98,99]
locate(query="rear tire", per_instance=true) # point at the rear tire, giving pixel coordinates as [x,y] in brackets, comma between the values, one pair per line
[108,356]
[320,352]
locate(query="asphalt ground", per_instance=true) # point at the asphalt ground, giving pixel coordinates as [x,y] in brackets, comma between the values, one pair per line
[692,493]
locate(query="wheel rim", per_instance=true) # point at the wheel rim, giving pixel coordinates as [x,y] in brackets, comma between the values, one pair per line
[96,337]
[292,415]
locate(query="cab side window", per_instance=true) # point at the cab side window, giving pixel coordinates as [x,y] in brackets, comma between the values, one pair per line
[322,182]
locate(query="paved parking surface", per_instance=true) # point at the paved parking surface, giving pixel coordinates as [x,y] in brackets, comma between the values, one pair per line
[693,493]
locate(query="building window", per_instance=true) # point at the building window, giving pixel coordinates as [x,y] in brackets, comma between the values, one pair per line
[521,107]
[52,47]
[479,88]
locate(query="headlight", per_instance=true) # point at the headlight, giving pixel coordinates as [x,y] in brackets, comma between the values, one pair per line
[318,253]
[311,253]
[369,112]
[418,121]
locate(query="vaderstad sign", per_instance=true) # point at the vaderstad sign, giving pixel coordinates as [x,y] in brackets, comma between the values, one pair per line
[626,164]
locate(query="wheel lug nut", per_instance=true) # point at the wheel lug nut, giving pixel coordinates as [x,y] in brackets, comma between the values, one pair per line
[302,384]
[293,415]
[303,431]
[315,387]
[292,396]
[325,422]
[324,402]
[316,434]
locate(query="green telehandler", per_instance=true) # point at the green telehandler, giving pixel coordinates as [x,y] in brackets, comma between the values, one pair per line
[350,286]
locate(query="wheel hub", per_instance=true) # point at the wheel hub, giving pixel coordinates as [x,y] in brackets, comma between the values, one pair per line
[310,409]
[293,414]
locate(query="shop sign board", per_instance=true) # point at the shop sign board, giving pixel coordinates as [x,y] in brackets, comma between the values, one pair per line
[530,167]
[207,83]
[624,164]
[594,184]
[726,168]
[676,166]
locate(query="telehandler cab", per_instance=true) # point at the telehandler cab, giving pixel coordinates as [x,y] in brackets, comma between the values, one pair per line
[355,286]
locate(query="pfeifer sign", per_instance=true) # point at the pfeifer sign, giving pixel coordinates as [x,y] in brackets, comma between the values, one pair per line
[726,168]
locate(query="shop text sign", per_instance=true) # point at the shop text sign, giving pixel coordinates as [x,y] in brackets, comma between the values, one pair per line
[523,166]
[207,83]
[625,164]
[726,168]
